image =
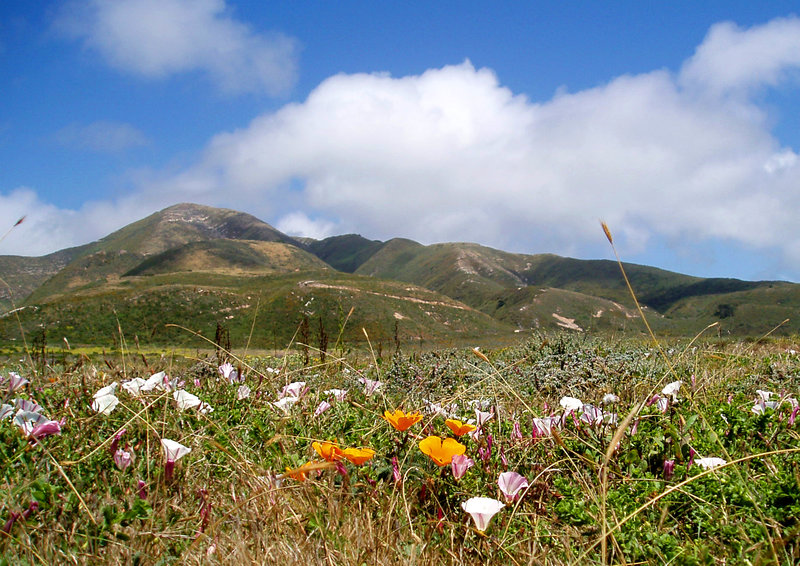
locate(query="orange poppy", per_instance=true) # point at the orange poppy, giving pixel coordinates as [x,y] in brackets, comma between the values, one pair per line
[441,451]
[459,428]
[358,455]
[301,473]
[328,450]
[402,421]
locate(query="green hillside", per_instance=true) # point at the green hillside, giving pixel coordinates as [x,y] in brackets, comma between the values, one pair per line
[345,253]
[271,306]
[200,266]
[22,275]
[229,256]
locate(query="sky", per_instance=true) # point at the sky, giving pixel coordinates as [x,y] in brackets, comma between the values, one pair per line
[516,125]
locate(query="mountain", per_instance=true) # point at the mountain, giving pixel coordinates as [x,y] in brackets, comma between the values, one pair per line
[206,268]
[142,245]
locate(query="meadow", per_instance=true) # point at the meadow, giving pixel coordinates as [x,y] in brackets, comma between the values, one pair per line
[561,449]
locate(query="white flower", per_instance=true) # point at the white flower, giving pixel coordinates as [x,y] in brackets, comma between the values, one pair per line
[27,405]
[610,399]
[708,463]
[482,416]
[672,389]
[6,411]
[482,404]
[571,404]
[482,509]
[105,404]
[107,390]
[228,372]
[511,483]
[187,400]
[134,386]
[286,403]
[155,381]
[243,392]
[174,451]
[27,420]
[764,395]
[338,394]
[544,426]
[15,381]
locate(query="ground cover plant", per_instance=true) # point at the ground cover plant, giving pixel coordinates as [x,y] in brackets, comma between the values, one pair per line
[562,449]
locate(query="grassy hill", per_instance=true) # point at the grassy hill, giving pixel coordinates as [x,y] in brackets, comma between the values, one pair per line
[265,311]
[22,275]
[345,253]
[200,266]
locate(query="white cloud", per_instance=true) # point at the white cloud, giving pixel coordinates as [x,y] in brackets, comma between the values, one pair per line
[156,38]
[48,228]
[733,59]
[298,224]
[104,137]
[451,154]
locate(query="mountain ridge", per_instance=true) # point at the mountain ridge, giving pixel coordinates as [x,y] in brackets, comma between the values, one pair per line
[186,243]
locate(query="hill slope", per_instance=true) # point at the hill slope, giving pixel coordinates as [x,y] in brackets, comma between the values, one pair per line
[202,266]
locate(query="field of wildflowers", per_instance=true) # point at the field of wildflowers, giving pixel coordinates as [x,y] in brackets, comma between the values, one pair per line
[563,449]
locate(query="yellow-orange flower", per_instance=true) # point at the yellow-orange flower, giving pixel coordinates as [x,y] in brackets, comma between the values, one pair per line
[328,450]
[459,428]
[301,473]
[402,421]
[358,455]
[441,451]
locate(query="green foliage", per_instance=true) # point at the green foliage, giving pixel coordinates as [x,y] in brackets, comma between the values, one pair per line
[232,494]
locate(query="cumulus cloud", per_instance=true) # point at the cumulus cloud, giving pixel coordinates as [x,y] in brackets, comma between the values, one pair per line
[103,137]
[48,228]
[299,224]
[452,155]
[157,38]
[732,59]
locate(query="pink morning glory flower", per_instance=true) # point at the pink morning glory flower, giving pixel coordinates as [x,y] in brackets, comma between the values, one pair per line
[511,483]
[371,386]
[173,451]
[460,464]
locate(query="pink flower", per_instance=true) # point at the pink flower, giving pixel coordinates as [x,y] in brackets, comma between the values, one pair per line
[321,408]
[15,381]
[46,428]
[227,371]
[396,476]
[141,489]
[371,386]
[460,464]
[516,432]
[122,458]
[115,441]
[173,451]
[510,483]
[669,469]
[294,389]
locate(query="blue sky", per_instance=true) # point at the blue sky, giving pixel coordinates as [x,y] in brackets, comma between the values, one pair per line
[517,125]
